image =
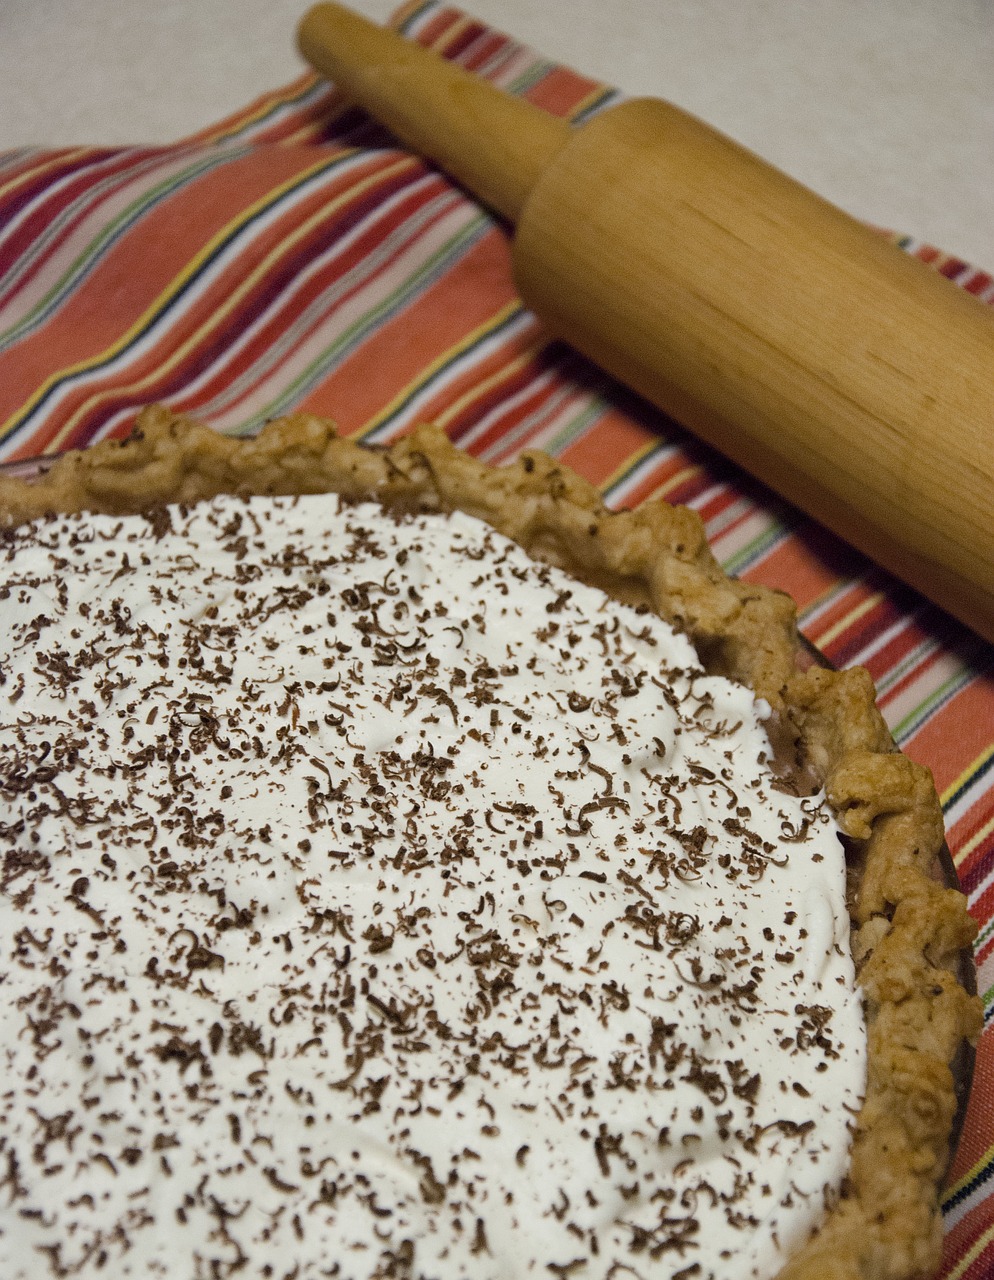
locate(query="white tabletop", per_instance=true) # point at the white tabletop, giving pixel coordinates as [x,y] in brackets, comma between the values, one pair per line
[884,106]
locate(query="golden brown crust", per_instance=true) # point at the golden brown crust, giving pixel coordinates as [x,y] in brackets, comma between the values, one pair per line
[907,928]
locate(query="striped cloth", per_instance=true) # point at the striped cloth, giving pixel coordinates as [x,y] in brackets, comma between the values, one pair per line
[292,257]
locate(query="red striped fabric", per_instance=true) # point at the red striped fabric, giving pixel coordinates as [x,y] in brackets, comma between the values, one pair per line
[292,257]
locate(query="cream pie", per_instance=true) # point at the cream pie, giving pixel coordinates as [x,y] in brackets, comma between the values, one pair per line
[403,883]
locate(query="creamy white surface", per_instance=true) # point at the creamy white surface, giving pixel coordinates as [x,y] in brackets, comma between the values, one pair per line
[284,985]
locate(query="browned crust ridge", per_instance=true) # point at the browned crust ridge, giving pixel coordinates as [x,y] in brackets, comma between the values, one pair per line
[907,929]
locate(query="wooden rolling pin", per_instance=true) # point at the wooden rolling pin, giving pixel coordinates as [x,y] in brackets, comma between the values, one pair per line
[848,376]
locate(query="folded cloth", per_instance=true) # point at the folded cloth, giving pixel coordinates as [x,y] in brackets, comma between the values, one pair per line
[292,257]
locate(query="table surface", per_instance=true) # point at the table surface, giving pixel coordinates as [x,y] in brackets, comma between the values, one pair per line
[885,108]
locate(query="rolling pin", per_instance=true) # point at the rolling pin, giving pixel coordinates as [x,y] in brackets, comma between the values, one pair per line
[846,375]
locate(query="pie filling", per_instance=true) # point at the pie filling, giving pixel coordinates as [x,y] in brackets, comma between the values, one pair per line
[379,902]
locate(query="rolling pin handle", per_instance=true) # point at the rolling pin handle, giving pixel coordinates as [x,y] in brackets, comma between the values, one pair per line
[495,145]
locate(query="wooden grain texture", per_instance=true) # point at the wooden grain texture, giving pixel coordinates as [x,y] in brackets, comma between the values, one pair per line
[843,373]
[849,377]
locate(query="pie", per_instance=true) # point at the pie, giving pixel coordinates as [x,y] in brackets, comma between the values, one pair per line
[510,872]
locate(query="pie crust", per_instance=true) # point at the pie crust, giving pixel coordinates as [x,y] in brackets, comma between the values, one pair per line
[907,929]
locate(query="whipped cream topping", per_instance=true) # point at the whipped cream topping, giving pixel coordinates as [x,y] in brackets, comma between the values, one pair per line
[379,903]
